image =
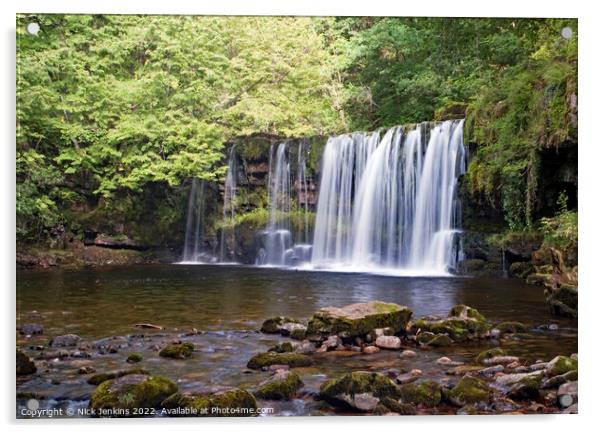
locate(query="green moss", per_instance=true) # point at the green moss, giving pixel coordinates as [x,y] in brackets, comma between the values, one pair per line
[393,405]
[359,382]
[24,364]
[526,389]
[271,358]
[132,391]
[280,387]
[282,347]
[102,377]
[489,353]
[561,365]
[469,390]
[511,327]
[229,402]
[440,340]
[426,393]
[464,311]
[134,358]
[177,351]
[298,334]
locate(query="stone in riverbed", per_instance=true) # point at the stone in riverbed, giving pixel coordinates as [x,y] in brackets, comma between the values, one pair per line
[395,406]
[388,342]
[369,350]
[463,323]
[556,381]
[134,358]
[561,365]
[212,401]
[99,378]
[24,364]
[359,390]
[440,340]
[132,391]
[568,394]
[67,340]
[489,353]
[31,329]
[177,351]
[357,320]
[283,385]
[412,376]
[274,325]
[426,393]
[468,391]
[508,380]
[511,327]
[86,369]
[526,388]
[504,360]
[284,347]
[408,354]
[270,358]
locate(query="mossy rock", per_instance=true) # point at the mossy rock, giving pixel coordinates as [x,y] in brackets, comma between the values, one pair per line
[360,390]
[273,325]
[220,401]
[393,405]
[271,358]
[134,358]
[440,340]
[132,391]
[489,353]
[359,319]
[426,393]
[556,381]
[24,364]
[298,334]
[521,269]
[99,378]
[511,327]
[464,311]
[285,347]
[281,386]
[526,388]
[469,390]
[561,365]
[424,337]
[177,351]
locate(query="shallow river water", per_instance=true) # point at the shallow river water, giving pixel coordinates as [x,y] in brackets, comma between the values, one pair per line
[227,304]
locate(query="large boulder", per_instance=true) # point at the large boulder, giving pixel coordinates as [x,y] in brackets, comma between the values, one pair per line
[283,385]
[24,364]
[426,393]
[360,390]
[211,401]
[357,320]
[463,323]
[118,397]
[272,358]
[469,390]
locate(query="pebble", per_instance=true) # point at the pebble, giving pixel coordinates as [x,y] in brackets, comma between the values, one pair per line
[408,354]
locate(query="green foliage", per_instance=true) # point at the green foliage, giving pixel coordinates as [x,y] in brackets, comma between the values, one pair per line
[561,231]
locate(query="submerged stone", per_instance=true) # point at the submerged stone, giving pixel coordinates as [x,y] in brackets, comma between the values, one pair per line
[134,358]
[177,351]
[283,385]
[213,401]
[24,364]
[359,319]
[270,358]
[131,392]
[359,390]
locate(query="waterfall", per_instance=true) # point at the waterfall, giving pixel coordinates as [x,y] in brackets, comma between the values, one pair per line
[193,251]
[228,235]
[390,203]
[277,246]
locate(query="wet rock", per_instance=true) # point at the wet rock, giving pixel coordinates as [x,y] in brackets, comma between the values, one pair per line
[410,377]
[440,340]
[359,390]
[408,354]
[550,327]
[538,366]
[491,371]
[465,312]
[274,325]
[511,327]
[561,365]
[330,343]
[556,381]
[426,393]
[567,394]
[31,329]
[148,326]
[86,369]
[562,299]
[67,340]
[177,351]
[284,347]
[469,409]
[395,406]
[298,333]
[287,328]
[277,367]
[305,348]
[270,358]
[24,364]
[131,391]
[469,390]
[489,353]
[283,385]
[424,337]
[508,380]
[358,319]
[445,361]
[370,350]
[504,360]
[211,401]
[99,378]
[388,342]
[526,388]
[134,358]
[463,323]
[521,269]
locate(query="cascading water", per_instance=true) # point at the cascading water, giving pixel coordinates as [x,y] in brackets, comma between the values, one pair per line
[391,203]
[277,247]
[195,233]
[228,235]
